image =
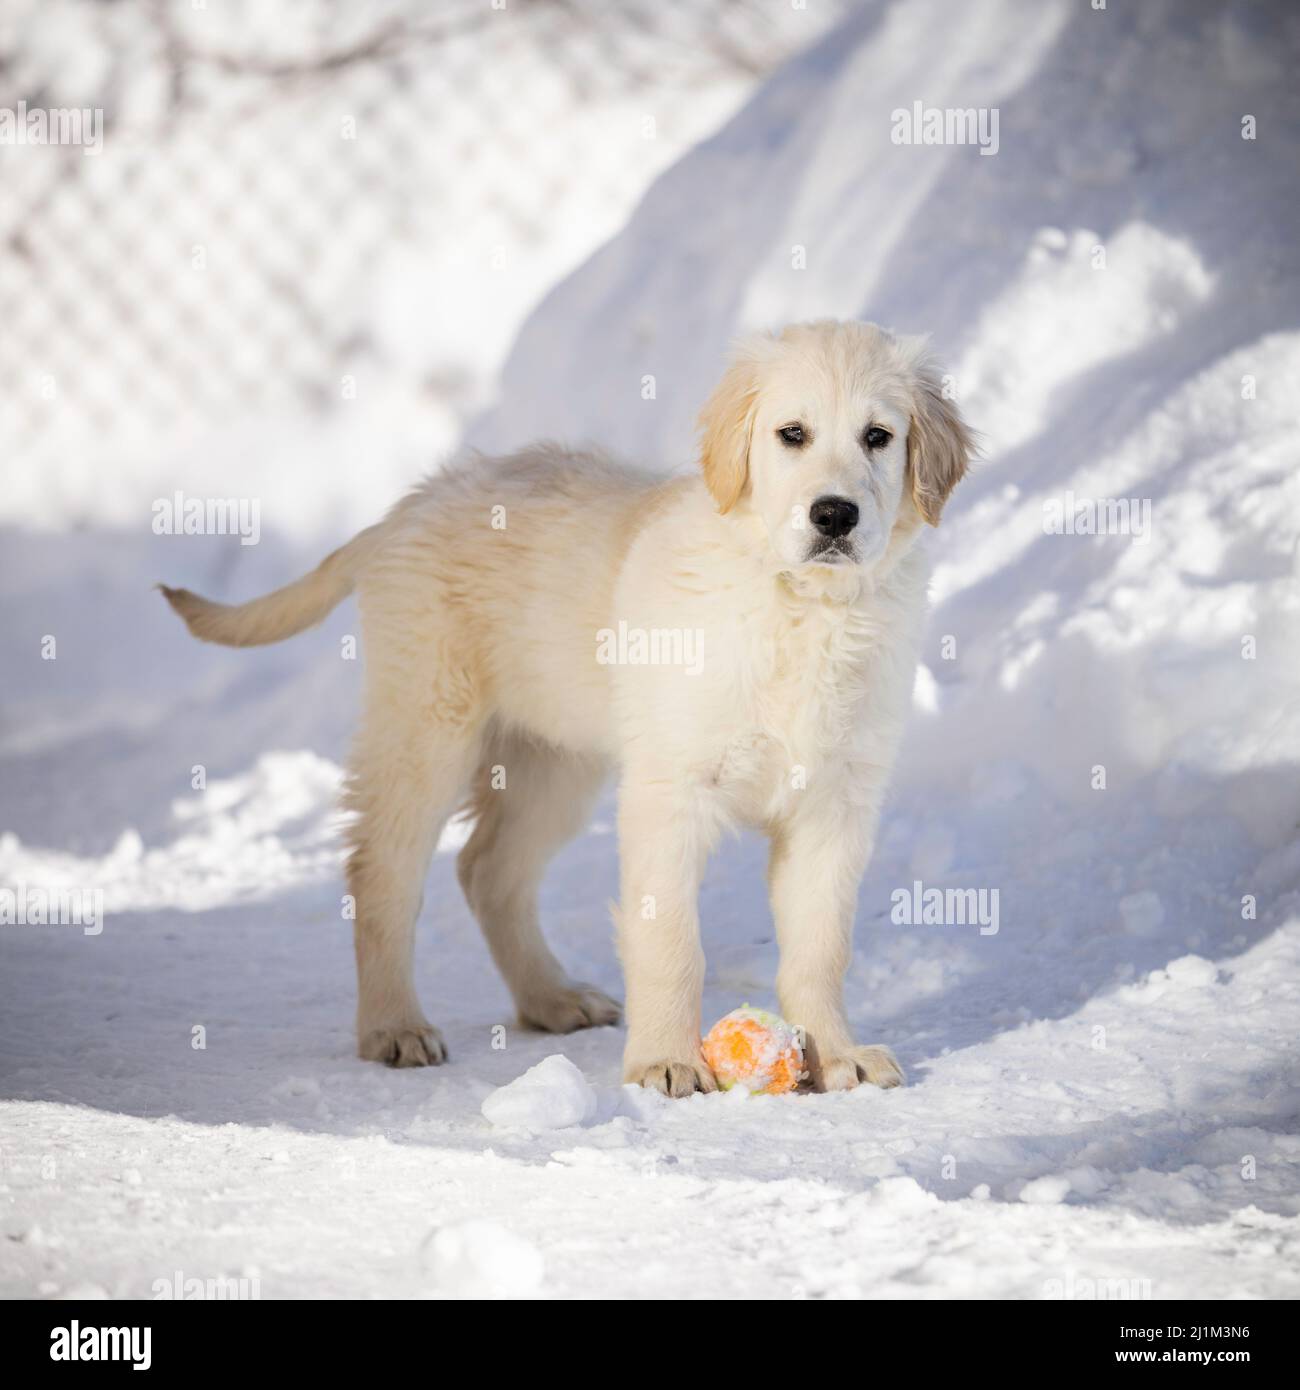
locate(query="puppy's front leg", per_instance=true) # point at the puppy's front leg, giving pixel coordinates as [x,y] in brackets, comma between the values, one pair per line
[662,848]
[817,862]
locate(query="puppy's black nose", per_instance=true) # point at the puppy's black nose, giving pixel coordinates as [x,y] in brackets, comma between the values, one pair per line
[833,516]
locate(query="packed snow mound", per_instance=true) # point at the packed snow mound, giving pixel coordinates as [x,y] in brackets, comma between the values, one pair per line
[552,1095]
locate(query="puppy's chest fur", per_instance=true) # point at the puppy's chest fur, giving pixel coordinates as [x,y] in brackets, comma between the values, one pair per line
[807,675]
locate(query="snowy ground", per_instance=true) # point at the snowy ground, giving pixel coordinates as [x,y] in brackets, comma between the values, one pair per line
[1102,1094]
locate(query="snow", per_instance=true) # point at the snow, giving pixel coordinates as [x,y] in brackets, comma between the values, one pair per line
[1102,1095]
[372,237]
[552,1095]
[479,1259]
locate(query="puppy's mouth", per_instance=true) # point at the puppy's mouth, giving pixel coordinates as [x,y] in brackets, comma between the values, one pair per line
[829,550]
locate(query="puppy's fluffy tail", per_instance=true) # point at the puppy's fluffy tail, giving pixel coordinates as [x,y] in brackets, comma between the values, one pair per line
[283,613]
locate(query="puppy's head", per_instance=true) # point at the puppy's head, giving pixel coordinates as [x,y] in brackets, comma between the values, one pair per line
[834,434]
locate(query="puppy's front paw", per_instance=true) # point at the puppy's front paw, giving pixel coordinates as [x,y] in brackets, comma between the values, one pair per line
[675,1079]
[419,1045]
[876,1065]
[568,1009]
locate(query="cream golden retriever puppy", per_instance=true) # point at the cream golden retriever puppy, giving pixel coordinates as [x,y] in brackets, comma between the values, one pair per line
[739,645]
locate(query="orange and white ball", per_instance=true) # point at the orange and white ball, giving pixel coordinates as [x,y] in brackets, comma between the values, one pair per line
[756,1050]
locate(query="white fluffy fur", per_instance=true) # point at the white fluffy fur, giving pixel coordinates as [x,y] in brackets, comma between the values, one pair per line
[484,596]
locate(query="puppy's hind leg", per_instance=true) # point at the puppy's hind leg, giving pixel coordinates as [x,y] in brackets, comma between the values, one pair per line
[529,799]
[407,775]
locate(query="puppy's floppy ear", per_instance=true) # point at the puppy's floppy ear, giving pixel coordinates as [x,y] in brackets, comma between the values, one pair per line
[940,444]
[726,424]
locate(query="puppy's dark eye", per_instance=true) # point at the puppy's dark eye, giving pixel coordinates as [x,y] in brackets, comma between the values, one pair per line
[876,438]
[791,435]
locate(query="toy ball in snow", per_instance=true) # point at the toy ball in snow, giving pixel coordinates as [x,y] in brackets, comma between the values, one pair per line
[755,1050]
